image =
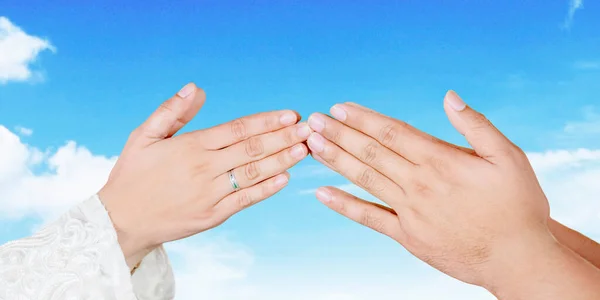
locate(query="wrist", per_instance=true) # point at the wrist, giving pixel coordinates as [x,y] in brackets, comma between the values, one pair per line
[133,246]
[539,267]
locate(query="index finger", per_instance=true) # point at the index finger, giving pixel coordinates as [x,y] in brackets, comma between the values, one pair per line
[412,144]
[235,131]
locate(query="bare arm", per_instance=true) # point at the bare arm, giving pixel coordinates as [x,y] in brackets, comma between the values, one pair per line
[577,242]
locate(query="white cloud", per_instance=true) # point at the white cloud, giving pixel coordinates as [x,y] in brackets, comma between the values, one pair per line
[18,50]
[72,174]
[23,131]
[574,6]
[217,269]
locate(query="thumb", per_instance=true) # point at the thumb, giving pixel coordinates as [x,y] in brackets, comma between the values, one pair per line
[487,141]
[170,116]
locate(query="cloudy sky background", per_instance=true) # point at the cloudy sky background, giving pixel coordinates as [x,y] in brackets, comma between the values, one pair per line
[76,79]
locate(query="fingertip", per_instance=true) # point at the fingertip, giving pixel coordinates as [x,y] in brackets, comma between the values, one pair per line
[299,151]
[187,90]
[339,112]
[316,121]
[303,131]
[288,117]
[454,101]
[316,142]
[282,179]
[324,195]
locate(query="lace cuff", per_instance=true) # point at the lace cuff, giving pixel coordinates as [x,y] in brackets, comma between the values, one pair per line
[79,257]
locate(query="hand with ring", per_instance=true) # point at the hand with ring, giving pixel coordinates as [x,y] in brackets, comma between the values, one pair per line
[165,188]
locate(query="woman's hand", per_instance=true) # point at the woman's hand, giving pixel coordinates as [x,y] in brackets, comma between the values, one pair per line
[165,188]
[478,215]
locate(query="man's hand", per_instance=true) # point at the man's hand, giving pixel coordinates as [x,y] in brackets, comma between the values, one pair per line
[477,215]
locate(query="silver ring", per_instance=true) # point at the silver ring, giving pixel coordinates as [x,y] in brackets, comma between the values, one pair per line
[233,181]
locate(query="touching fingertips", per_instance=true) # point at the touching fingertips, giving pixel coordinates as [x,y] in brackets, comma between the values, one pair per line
[298,152]
[281,180]
[455,101]
[316,122]
[339,112]
[324,195]
[288,118]
[303,131]
[316,142]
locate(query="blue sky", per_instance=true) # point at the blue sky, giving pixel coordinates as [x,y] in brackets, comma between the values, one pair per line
[531,66]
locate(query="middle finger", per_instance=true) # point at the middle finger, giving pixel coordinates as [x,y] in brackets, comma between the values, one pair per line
[261,146]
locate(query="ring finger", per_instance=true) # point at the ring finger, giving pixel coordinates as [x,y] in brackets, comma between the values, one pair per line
[258,171]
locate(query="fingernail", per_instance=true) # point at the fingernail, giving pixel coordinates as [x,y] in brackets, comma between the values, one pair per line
[298,152]
[187,90]
[316,142]
[324,195]
[338,112]
[303,131]
[288,118]
[281,180]
[316,122]
[455,101]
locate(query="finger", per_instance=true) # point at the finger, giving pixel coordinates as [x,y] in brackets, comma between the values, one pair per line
[257,171]
[260,146]
[170,117]
[487,141]
[356,171]
[398,136]
[463,149]
[245,198]
[377,217]
[230,133]
[361,146]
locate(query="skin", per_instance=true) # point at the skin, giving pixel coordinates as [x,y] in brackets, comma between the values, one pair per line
[477,215]
[165,188]
[579,243]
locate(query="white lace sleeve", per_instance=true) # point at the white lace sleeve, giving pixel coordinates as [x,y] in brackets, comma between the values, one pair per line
[78,257]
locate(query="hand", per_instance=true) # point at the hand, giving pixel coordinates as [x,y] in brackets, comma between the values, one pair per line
[478,215]
[165,188]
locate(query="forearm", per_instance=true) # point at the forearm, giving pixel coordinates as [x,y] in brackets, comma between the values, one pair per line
[577,242]
[547,270]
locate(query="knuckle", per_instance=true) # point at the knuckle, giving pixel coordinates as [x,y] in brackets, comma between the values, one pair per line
[244,200]
[437,163]
[366,178]
[421,188]
[369,153]
[252,171]
[283,158]
[336,136]
[166,107]
[480,122]
[254,147]
[238,129]
[269,122]
[370,220]
[289,137]
[266,190]
[331,155]
[388,135]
